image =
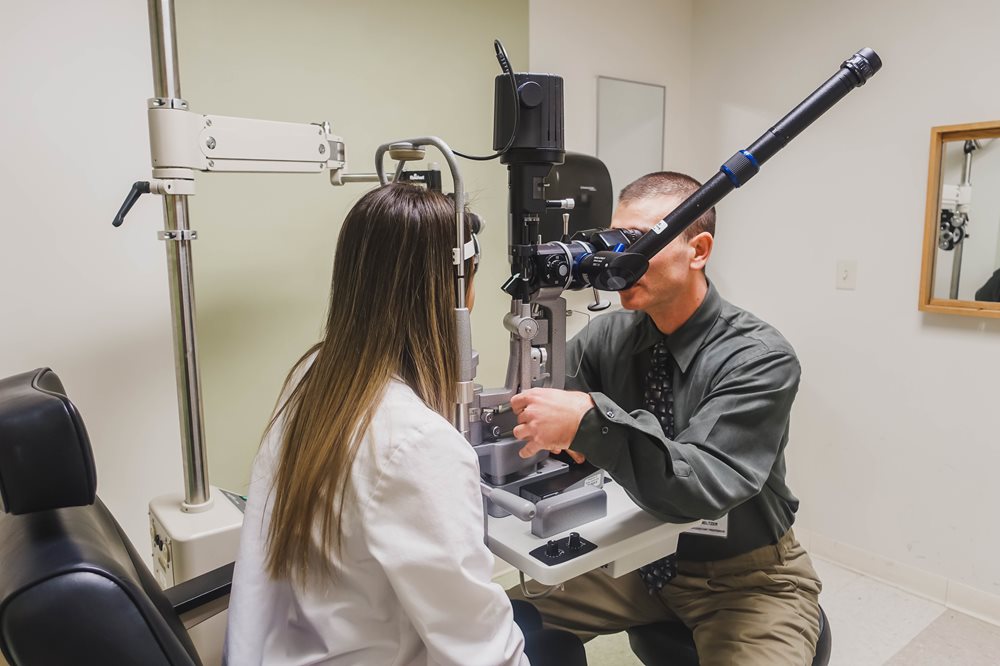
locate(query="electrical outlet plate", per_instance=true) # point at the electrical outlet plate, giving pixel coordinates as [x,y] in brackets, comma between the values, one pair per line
[847,274]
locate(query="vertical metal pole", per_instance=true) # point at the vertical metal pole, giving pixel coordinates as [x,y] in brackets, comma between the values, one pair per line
[956,264]
[956,270]
[466,377]
[166,84]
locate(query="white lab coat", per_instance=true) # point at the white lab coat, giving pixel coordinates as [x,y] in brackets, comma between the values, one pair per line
[413,586]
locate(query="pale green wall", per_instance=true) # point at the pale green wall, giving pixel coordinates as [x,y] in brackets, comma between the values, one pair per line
[377,71]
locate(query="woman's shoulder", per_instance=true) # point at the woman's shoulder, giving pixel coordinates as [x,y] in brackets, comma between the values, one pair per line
[407,419]
[411,446]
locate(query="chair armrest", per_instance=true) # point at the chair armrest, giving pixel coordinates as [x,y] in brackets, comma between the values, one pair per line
[203,596]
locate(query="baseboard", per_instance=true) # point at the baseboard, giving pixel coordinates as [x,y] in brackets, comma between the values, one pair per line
[939,589]
[974,602]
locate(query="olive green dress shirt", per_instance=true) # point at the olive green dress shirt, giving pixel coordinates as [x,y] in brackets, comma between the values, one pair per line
[734,380]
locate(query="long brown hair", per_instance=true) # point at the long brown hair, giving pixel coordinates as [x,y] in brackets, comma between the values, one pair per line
[391,313]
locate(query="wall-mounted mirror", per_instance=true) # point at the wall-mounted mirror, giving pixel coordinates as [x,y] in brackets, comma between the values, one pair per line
[629,128]
[960,273]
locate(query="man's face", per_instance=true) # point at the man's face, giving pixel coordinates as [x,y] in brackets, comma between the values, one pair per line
[670,269]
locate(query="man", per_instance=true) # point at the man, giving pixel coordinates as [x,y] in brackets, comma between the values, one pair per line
[685,401]
[990,291]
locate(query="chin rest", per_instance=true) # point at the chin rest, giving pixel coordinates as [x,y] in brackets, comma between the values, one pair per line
[672,644]
[73,590]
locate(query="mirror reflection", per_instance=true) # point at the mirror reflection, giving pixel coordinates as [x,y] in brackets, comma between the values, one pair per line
[967,261]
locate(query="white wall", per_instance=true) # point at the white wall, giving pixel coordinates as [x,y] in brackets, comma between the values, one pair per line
[91,301]
[894,445]
[378,72]
[77,295]
[639,40]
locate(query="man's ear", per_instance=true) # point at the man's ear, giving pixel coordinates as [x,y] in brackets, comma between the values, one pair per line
[702,250]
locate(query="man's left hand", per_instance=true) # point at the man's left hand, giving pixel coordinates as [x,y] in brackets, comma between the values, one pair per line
[548,419]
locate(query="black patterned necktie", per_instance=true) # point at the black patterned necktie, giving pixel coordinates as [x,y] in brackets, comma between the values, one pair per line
[658,400]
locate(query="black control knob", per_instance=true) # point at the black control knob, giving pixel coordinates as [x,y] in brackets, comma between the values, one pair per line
[552,549]
[531,94]
[574,542]
[556,269]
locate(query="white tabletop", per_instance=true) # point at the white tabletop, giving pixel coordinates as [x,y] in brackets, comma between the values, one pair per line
[626,539]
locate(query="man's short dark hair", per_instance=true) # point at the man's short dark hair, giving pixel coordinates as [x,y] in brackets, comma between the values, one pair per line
[668,183]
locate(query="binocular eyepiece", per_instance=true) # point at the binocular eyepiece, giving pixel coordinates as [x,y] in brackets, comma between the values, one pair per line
[579,262]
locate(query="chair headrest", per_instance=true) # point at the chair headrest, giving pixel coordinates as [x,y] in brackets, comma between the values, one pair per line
[45,457]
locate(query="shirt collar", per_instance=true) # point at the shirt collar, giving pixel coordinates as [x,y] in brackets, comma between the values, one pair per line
[685,342]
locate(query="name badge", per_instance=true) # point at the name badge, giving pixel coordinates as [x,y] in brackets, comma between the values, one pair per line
[715,528]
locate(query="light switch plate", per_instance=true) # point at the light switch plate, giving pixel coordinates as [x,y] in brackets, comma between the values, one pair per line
[847,274]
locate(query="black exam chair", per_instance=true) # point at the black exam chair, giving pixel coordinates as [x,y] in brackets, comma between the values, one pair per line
[73,590]
[672,644]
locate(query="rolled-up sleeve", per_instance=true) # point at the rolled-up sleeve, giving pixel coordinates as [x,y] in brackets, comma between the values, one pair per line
[721,459]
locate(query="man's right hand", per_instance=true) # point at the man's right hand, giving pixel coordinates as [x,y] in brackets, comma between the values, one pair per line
[548,419]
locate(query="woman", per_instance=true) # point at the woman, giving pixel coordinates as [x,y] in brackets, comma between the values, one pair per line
[362,542]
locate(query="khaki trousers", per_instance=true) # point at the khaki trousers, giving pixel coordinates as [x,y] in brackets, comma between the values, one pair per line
[761,607]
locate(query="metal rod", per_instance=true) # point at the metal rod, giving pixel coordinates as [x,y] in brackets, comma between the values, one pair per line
[956,270]
[464,390]
[182,314]
[956,263]
[359,178]
[525,355]
[852,74]
[166,83]
[163,42]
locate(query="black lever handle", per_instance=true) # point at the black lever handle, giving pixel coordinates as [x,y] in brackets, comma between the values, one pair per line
[139,188]
[598,304]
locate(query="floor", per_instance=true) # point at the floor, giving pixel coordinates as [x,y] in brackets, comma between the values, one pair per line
[873,624]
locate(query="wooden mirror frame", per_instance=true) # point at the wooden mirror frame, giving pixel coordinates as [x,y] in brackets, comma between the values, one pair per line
[928,303]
